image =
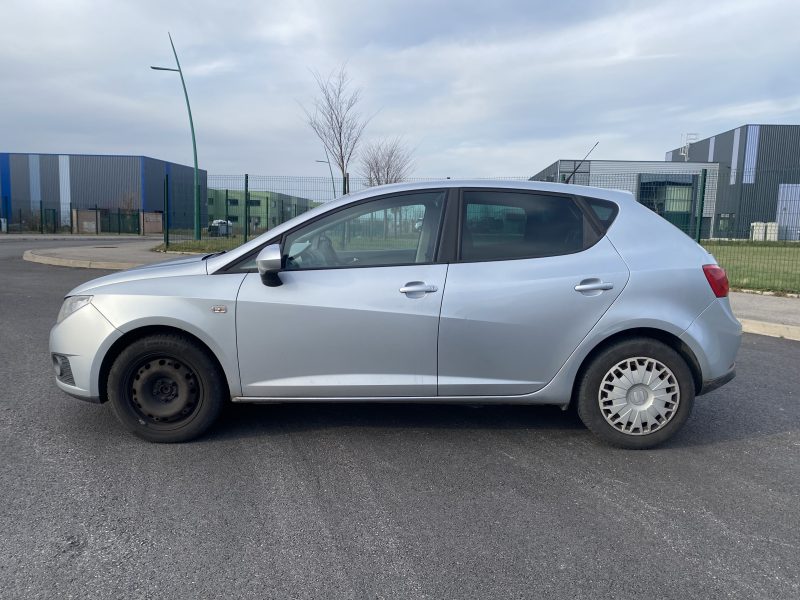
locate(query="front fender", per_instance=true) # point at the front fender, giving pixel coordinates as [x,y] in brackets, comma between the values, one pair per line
[203,306]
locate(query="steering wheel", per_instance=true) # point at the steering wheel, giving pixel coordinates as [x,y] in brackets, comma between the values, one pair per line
[324,247]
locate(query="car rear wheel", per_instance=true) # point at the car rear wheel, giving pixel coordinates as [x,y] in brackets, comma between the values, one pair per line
[636,393]
[164,388]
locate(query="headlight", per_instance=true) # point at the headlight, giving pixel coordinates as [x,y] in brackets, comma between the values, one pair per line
[71,304]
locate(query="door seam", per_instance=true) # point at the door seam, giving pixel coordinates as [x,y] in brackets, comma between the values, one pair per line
[439,325]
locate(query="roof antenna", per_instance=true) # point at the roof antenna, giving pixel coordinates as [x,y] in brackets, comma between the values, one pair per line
[578,166]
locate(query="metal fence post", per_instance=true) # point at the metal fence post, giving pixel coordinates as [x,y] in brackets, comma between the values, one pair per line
[246,206]
[96,220]
[71,224]
[227,219]
[41,217]
[165,226]
[698,228]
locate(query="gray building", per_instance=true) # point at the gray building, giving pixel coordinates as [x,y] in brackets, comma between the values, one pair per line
[46,188]
[759,177]
[677,191]
[265,208]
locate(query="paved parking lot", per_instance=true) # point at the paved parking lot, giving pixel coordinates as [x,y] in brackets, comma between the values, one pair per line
[356,501]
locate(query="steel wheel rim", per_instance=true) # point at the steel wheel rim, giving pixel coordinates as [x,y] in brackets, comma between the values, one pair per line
[639,395]
[163,391]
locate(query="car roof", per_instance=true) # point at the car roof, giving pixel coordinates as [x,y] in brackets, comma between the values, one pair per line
[540,186]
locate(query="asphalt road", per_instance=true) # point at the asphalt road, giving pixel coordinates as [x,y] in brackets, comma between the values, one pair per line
[358,501]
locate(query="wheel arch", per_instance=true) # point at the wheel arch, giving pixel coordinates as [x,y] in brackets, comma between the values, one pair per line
[141,332]
[665,337]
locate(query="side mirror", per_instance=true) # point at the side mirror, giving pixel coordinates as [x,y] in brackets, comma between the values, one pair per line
[269,265]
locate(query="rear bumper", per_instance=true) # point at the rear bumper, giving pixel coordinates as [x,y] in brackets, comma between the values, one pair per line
[713,384]
[714,337]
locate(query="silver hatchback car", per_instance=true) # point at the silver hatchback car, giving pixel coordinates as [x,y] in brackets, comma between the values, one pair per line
[458,291]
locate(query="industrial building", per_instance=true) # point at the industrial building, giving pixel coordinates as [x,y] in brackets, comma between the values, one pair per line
[759,178]
[265,209]
[46,191]
[677,191]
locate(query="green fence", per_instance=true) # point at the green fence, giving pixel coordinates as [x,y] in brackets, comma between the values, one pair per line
[88,220]
[120,221]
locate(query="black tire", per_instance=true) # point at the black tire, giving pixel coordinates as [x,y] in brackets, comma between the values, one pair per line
[165,388]
[638,438]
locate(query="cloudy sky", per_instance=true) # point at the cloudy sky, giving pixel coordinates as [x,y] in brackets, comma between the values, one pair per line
[488,88]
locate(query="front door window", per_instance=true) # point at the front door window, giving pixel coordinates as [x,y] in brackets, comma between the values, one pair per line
[398,230]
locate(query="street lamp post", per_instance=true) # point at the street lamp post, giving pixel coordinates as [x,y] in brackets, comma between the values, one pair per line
[194,143]
[327,161]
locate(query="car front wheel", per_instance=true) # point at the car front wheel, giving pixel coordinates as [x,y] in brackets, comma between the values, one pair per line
[164,388]
[636,393]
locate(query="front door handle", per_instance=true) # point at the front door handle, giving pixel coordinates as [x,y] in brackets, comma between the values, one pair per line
[417,289]
[593,285]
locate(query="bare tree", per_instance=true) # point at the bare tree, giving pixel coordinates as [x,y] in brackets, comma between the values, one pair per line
[335,118]
[386,161]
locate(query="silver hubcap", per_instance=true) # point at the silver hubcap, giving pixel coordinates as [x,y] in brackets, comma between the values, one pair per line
[639,395]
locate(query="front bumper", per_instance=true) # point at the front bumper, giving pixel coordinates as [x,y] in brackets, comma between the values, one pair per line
[83,338]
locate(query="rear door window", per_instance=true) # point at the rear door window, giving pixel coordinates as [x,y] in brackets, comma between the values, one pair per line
[502,225]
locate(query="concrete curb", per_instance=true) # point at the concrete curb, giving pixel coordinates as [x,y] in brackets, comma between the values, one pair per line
[20,237]
[789,332]
[33,256]
[766,293]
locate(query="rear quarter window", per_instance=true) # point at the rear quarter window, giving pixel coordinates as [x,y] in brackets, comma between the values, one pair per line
[604,210]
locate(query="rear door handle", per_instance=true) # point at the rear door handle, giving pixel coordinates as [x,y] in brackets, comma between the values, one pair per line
[417,289]
[593,285]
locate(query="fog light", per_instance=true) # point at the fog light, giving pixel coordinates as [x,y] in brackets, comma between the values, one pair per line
[63,369]
[57,365]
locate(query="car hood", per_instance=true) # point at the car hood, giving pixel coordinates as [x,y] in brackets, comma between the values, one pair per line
[194,265]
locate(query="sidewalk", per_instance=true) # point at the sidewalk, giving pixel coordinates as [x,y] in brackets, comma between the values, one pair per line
[775,316]
[765,315]
[106,254]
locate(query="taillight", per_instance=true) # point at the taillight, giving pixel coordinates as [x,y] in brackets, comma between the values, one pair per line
[717,279]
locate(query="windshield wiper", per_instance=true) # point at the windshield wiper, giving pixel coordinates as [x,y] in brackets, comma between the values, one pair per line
[214,254]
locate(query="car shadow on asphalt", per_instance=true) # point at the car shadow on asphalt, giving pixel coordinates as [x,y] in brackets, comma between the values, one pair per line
[251,420]
[721,418]
[712,421]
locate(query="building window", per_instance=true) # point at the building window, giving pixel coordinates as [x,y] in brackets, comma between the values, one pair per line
[725,224]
